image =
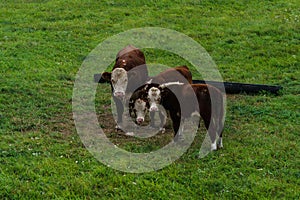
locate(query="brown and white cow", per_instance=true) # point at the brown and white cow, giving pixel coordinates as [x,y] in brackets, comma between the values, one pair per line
[129,72]
[139,103]
[177,99]
[130,69]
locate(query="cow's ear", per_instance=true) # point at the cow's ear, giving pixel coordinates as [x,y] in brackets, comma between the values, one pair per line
[131,101]
[131,105]
[145,88]
[161,89]
[105,77]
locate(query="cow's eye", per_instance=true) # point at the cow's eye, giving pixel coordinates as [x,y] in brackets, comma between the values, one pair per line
[113,81]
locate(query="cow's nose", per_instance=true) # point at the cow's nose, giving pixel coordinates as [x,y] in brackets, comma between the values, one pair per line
[139,120]
[119,94]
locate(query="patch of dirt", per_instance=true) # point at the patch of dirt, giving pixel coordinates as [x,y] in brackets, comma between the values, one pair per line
[118,137]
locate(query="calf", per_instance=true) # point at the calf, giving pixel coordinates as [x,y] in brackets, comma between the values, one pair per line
[139,104]
[128,73]
[178,100]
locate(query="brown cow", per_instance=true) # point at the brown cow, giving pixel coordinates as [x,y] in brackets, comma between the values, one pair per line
[129,72]
[178,100]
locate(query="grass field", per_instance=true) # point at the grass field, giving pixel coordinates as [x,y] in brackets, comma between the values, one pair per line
[42,46]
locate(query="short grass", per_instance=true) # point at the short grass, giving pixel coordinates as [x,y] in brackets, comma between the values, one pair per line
[42,45]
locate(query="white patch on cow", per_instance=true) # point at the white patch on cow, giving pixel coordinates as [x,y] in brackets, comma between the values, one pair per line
[129,133]
[214,122]
[149,82]
[195,117]
[195,114]
[119,80]
[124,62]
[171,83]
[141,110]
[153,107]
[154,96]
[162,130]
[214,146]
[181,129]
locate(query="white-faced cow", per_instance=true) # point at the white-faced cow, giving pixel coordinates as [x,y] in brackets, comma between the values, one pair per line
[139,103]
[182,108]
[128,73]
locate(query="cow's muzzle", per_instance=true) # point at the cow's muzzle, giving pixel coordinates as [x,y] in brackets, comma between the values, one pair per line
[153,109]
[120,95]
[140,120]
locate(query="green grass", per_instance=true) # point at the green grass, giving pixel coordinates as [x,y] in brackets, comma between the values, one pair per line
[43,44]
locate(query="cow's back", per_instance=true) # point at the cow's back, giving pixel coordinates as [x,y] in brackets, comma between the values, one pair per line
[130,57]
[180,73]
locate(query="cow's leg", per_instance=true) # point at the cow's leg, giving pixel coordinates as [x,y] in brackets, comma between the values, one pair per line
[212,131]
[175,117]
[120,111]
[221,121]
[127,124]
[220,132]
[179,136]
[176,124]
[163,117]
[152,120]
[218,119]
[213,134]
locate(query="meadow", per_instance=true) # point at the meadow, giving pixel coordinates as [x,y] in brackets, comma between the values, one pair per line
[42,46]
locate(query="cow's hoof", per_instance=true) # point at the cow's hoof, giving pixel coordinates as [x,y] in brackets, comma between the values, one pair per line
[162,130]
[117,127]
[220,143]
[178,138]
[213,146]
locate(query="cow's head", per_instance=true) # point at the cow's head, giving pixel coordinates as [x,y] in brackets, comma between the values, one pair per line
[157,93]
[154,97]
[119,81]
[140,110]
[138,104]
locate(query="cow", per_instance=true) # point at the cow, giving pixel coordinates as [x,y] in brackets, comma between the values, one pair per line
[139,104]
[177,99]
[128,73]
